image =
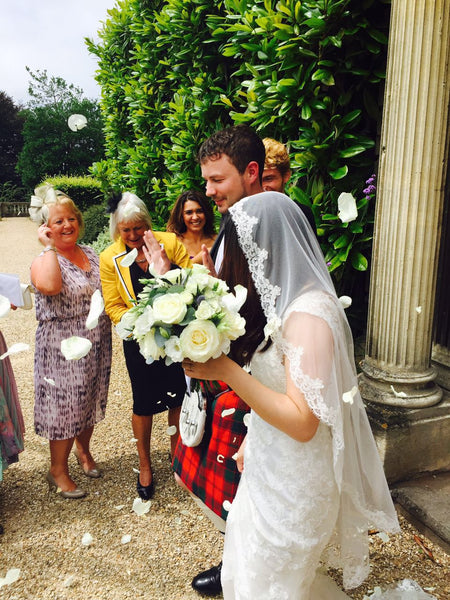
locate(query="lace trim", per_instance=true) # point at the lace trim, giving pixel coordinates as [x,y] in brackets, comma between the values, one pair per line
[256,258]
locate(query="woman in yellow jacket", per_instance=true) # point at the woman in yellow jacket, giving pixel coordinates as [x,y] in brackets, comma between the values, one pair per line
[156,387]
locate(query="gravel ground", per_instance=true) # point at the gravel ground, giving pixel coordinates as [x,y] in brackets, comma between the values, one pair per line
[168,545]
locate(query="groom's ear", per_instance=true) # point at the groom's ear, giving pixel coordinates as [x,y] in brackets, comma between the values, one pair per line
[251,172]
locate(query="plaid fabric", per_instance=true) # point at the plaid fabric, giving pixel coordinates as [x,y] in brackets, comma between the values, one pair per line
[208,470]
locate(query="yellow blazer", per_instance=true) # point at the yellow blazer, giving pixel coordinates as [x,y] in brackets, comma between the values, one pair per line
[117,288]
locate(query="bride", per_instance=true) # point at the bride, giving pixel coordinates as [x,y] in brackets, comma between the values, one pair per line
[312,482]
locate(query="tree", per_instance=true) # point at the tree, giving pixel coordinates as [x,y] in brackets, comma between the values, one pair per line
[11,123]
[50,147]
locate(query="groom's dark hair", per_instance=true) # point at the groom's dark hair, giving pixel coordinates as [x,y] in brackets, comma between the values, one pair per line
[240,143]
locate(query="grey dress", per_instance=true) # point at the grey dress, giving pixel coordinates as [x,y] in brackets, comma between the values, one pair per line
[77,399]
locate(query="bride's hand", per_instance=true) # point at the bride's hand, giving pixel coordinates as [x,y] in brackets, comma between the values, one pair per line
[214,369]
[240,456]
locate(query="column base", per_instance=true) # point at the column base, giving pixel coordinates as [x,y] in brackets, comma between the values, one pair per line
[411,441]
[409,390]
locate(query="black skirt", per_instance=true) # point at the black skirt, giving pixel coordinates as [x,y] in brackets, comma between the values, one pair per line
[156,387]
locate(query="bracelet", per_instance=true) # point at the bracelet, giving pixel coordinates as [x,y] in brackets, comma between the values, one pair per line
[48,248]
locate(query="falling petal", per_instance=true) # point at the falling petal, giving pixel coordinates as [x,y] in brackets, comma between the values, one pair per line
[141,507]
[228,411]
[235,456]
[136,470]
[348,396]
[398,394]
[19,347]
[226,505]
[418,309]
[120,506]
[129,258]
[347,210]
[383,537]
[76,122]
[134,440]
[246,419]
[171,394]
[171,430]
[11,576]
[75,347]
[5,306]
[220,458]
[49,381]
[345,301]
[126,539]
[69,581]
[87,539]
[95,310]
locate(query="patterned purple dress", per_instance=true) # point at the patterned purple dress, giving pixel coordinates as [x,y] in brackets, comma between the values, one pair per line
[77,400]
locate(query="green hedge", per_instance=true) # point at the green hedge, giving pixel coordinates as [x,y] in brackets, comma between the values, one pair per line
[84,191]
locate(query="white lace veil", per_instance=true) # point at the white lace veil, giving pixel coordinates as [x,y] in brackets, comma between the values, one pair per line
[298,297]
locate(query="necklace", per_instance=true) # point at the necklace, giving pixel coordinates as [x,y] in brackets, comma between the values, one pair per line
[140,260]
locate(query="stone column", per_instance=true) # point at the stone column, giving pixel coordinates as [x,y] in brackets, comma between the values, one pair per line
[397,369]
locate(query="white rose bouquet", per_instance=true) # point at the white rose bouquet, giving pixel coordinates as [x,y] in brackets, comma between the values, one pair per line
[185,313]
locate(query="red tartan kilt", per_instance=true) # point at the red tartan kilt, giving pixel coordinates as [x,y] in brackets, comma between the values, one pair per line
[208,470]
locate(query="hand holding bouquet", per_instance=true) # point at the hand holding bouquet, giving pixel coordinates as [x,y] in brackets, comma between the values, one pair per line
[185,313]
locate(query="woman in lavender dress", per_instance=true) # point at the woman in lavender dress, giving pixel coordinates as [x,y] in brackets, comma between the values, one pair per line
[70,395]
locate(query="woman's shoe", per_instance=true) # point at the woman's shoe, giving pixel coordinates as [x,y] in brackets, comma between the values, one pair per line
[145,491]
[94,473]
[52,485]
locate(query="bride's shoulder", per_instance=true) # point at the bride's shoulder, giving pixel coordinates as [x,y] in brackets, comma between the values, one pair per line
[317,303]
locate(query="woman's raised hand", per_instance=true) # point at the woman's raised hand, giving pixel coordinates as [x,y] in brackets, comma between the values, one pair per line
[155,254]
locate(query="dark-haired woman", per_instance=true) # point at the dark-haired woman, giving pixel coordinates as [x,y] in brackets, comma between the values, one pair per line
[192,220]
[312,481]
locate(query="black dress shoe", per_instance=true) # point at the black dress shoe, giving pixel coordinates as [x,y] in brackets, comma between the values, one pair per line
[145,491]
[208,582]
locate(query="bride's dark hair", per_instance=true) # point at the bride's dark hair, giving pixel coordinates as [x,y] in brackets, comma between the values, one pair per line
[235,270]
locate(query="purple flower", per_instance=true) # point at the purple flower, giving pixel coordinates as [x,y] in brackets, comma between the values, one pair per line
[370,189]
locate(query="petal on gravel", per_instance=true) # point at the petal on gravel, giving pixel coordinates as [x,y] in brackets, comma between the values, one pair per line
[126,539]
[19,347]
[87,539]
[141,507]
[69,581]
[12,575]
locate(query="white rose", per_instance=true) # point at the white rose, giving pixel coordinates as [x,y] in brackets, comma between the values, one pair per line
[188,298]
[235,301]
[200,341]
[144,322]
[172,275]
[149,348]
[125,326]
[198,281]
[169,309]
[173,349]
[206,309]
[232,325]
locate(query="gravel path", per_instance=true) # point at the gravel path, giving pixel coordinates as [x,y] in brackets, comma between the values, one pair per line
[168,545]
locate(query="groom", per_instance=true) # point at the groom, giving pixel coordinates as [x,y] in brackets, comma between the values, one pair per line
[232,164]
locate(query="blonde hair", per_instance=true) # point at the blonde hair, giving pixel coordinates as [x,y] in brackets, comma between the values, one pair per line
[130,209]
[277,156]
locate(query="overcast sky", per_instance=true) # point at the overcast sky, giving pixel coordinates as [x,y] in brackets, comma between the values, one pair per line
[49,34]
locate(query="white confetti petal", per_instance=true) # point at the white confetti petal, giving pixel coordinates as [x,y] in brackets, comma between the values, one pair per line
[383,536]
[348,396]
[5,306]
[11,576]
[119,506]
[69,581]
[141,507]
[49,381]
[117,393]
[171,394]
[76,122]
[136,470]
[347,210]
[226,505]
[87,539]
[19,347]
[345,301]
[220,458]
[398,394]
[129,259]
[95,310]
[134,440]
[75,347]
[171,430]
[246,419]
[235,456]
[418,309]
[126,539]
[228,411]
